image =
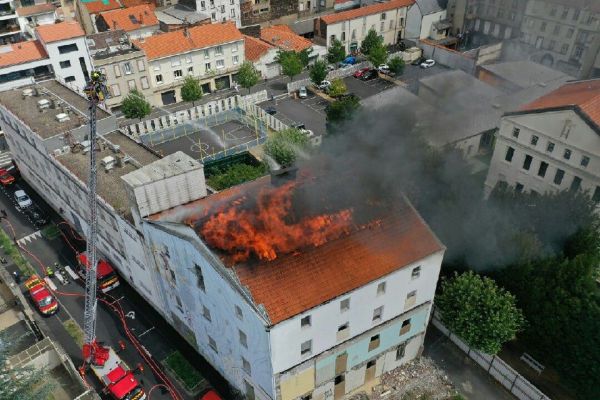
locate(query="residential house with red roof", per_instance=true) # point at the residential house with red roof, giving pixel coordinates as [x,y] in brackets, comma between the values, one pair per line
[552,143]
[263,56]
[86,12]
[284,38]
[31,17]
[212,53]
[138,21]
[387,18]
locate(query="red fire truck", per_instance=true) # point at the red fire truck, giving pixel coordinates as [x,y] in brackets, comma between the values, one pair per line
[106,275]
[43,299]
[116,377]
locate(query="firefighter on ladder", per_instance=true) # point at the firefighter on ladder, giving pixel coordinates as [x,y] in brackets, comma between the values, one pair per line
[96,88]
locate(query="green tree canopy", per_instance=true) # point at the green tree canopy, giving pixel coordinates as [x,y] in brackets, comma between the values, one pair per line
[342,109]
[371,41]
[290,62]
[248,76]
[135,106]
[337,88]
[284,146]
[305,56]
[336,52]
[396,65]
[318,72]
[484,315]
[234,175]
[191,89]
[378,55]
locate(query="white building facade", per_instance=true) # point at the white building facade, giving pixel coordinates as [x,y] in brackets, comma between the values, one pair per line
[221,10]
[421,19]
[550,146]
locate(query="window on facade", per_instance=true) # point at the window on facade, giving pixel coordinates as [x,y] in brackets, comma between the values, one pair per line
[127,68]
[558,177]
[405,326]
[516,132]
[378,314]
[115,90]
[382,26]
[222,8]
[381,288]
[585,160]
[175,63]
[534,140]
[510,152]
[543,168]
[332,38]
[199,277]
[220,64]
[213,16]
[519,187]
[219,50]
[177,73]
[416,272]
[65,64]
[212,344]
[400,350]
[117,71]
[67,48]
[306,348]
[527,162]
[234,48]
[238,313]
[411,298]
[203,5]
[190,70]
[131,84]
[206,313]
[550,147]
[235,60]
[344,305]
[382,16]
[343,327]
[374,342]
[144,82]
[246,366]
[305,322]
[575,184]
[159,79]
[179,305]
[141,65]
[556,30]
[570,33]
[567,154]
[543,26]
[391,24]
[596,195]
[207,66]
[243,339]
[307,397]
[70,79]
[564,49]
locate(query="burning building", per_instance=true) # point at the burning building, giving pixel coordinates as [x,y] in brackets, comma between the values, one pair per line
[288,295]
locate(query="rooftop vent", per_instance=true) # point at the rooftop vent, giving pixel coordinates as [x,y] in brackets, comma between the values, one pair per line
[86,144]
[27,92]
[108,163]
[115,148]
[44,103]
[62,117]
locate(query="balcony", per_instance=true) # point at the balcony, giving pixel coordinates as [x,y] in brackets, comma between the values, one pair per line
[9,30]
[6,14]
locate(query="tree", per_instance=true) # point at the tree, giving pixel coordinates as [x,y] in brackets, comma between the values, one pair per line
[481,313]
[305,56]
[290,62]
[248,76]
[191,89]
[21,383]
[336,52]
[234,175]
[378,55]
[284,146]
[371,41]
[135,106]
[337,88]
[341,110]
[396,65]
[318,72]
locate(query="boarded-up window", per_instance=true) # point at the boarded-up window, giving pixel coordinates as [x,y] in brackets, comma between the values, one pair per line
[374,342]
[405,326]
[411,299]
[378,314]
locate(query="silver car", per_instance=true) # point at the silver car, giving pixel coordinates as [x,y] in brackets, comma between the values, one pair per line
[302,92]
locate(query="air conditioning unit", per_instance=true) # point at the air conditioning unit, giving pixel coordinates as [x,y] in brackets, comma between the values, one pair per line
[57,152]
[108,163]
[27,92]
[86,144]
[62,117]
[44,103]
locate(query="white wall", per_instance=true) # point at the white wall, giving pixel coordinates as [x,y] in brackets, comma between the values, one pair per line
[267,66]
[287,336]
[427,22]
[143,32]
[548,126]
[21,67]
[73,57]
[221,9]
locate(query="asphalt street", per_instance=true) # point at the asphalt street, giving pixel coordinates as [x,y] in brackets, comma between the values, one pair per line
[153,332]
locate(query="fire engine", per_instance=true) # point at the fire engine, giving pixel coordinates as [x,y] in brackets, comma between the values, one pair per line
[43,299]
[117,378]
[106,276]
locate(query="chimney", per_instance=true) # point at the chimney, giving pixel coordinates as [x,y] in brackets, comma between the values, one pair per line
[186,33]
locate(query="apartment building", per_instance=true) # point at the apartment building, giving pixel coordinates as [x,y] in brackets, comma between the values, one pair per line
[212,53]
[221,10]
[499,19]
[33,16]
[86,12]
[263,56]
[552,143]
[564,34]
[138,21]
[426,19]
[124,65]
[388,19]
[10,31]
[284,38]
[59,51]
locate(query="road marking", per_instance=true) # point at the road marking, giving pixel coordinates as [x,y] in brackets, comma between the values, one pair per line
[130,314]
[146,331]
[26,239]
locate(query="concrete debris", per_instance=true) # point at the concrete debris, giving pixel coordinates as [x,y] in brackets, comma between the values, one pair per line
[419,379]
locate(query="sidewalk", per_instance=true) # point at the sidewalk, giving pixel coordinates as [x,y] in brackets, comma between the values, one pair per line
[468,377]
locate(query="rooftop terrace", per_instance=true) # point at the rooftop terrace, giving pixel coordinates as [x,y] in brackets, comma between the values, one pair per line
[43,121]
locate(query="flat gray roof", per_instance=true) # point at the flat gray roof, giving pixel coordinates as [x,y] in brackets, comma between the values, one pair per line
[526,73]
[174,164]
[110,186]
[44,122]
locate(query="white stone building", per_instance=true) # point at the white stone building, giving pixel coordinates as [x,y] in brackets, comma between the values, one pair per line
[32,16]
[422,17]
[551,144]
[263,56]
[212,53]
[221,10]
[388,19]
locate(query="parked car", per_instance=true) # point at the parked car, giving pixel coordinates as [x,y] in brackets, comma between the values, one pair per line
[428,63]
[38,217]
[6,179]
[310,134]
[369,75]
[418,61]
[23,201]
[324,85]
[302,92]
[383,68]
[360,72]
[349,60]
[271,110]
[44,300]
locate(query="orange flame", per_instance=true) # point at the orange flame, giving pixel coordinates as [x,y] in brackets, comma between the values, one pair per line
[265,230]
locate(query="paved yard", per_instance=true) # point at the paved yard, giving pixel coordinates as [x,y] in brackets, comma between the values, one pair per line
[364,89]
[309,111]
[412,74]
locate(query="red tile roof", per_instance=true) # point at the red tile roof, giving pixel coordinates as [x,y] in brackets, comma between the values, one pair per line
[36,9]
[130,19]
[21,53]
[255,48]
[60,31]
[201,36]
[585,95]
[284,38]
[133,3]
[101,5]
[364,11]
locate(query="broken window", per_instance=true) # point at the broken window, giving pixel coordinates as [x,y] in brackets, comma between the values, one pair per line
[405,326]
[199,277]
[378,314]
[374,342]
[519,187]
[305,322]
[306,348]
[416,272]
[411,299]
[344,305]
[381,288]
[400,350]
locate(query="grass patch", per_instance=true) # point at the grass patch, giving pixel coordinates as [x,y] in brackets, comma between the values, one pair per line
[74,331]
[51,232]
[186,373]
[234,174]
[12,251]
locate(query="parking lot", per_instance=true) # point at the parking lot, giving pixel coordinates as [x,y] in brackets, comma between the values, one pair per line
[309,111]
[413,73]
[364,89]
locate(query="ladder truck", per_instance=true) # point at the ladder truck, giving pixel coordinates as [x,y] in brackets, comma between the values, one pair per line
[112,372]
